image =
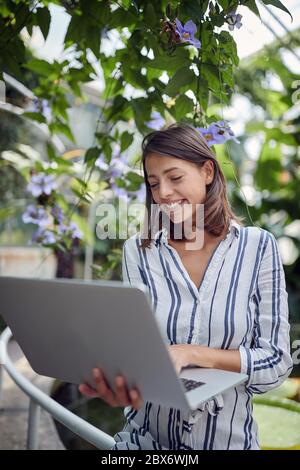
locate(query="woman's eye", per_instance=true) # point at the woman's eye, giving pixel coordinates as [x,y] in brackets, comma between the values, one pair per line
[172,179]
[175,179]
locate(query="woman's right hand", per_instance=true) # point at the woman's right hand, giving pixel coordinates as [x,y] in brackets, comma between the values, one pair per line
[120,397]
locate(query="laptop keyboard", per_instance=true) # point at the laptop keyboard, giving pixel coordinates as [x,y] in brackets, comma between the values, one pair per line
[191,384]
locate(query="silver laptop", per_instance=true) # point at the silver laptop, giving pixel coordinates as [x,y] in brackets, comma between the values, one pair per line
[67,327]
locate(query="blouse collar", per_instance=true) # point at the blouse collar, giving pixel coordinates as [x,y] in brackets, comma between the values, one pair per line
[161,236]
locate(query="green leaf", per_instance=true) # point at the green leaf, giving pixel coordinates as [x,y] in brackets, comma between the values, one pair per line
[142,110]
[122,18]
[134,181]
[126,4]
[211,73]
[253,127]
[44,19]
[35,116]
[116,86]
[134,178]
[40,66]
[59,246]
[29,28]
[132,76]
[51,151]
[12,56]
[107,150]
[277,4]
[193,9]
[126,140]
[253,7]
[75,30]
[59,108]
[82,184]
[62,128]
[22,16]
[227,48]
[182,77]
[63,162]
[83,197]
[224,3]
[75,87]
[150,16]
[269,164]
[93,38]
[4,11]
[118,105]
[183,106]
[91,155]
[174,62]
[201,91]
[6,212]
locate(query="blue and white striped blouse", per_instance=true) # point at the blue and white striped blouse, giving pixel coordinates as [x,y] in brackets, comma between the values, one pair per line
[241,304]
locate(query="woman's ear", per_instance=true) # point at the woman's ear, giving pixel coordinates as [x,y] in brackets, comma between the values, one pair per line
[208,167]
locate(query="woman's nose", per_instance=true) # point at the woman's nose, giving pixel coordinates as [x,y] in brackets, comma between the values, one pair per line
[165,191]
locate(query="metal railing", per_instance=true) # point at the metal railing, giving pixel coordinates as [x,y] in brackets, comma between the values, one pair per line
[39,399]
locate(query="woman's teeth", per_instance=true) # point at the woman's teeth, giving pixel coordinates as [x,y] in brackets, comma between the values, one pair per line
[175,204]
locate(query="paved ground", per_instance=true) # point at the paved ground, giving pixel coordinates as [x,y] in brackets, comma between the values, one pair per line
[14,410]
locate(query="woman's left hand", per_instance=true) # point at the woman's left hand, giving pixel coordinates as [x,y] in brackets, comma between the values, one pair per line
[184,355]
[180,355]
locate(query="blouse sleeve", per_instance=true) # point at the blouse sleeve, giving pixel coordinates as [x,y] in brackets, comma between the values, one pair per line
[268,361]
[132,273]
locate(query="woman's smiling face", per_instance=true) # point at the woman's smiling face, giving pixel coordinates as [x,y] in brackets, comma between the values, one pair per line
[177,182]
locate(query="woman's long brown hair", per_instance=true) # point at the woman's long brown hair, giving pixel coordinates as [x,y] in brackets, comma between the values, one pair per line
[185,142]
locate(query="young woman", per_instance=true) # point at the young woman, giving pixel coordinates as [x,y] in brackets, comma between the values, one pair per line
[222,304]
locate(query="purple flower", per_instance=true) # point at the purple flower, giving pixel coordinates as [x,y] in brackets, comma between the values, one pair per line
[141,193]
[57,213]
[41,184]
[157,121]
[187,32]
[212,135]
[34,106]
[116,155]
[116,169]
[70,230]
[41,106]
[123,159]
[118,164]
[46,110]
[120,192]
[233,20]
[35,215]
[43,236]
[218,133]
[100,163]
